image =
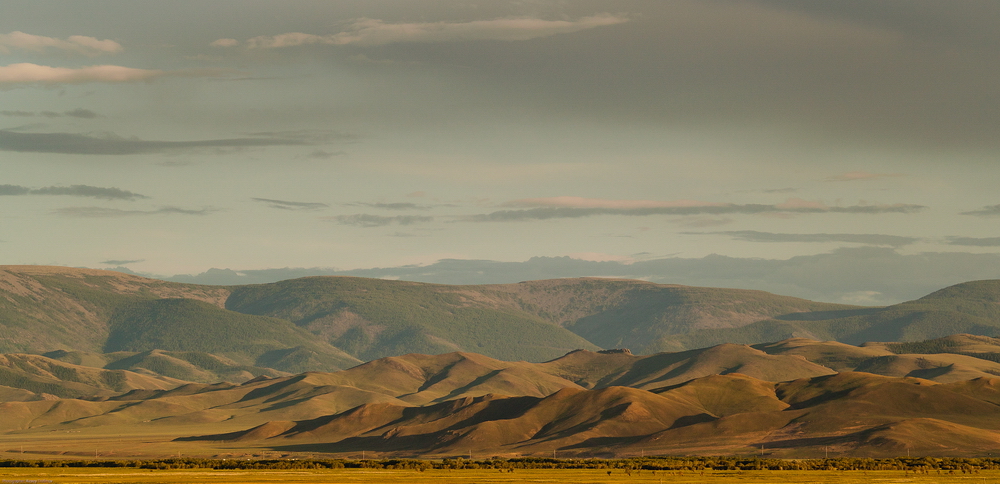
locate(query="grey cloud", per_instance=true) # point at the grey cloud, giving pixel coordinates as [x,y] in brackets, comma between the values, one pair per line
[287,205]
[102,212]
[81,113]
[14,190]
[325,155]
[780,190]
[76,113]
[307,136]
[882,275]
[974,241]
[369,220]
[73,191]
[121,262]
[110,144]
[870,239]
[989,211]
[848,73]
[390,206]
[545,213]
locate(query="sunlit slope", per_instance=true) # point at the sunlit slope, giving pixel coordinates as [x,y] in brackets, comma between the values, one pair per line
[189,366]
[849,414]
[33,377]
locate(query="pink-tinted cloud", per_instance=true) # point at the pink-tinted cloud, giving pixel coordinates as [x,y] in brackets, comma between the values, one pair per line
[80,44]
[25,73]
[376,32]
[225,43]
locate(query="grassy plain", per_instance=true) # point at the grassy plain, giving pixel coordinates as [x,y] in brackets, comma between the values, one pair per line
[583,476]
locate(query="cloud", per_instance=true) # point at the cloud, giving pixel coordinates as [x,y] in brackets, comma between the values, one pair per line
[368,220]
[780,190]
[117,262]
[75,113]
[861,175]
[325,155]
[870,239]
[390,206]
[286,205]
[701,222]
[370,32]
[974,241]
[988,211]
[26,73]
[79,44]
[111,144]
[101,212]
[81,113]
[225,43]
[576,207]
[73,191]
[601,203]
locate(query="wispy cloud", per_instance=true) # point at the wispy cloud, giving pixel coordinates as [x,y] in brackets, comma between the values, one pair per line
[369,32]
[369,220]
[974,241]
[325,155]
[102,212]
[225,43]
[868,239]
[26,73]
[861,175]
[287,205]
[75,113]
[575,207]
[122,262]
[988,211]
[73,191]
[390,206]
[79,44]
[111,144]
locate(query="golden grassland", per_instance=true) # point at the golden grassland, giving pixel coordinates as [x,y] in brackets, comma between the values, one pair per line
[479,476]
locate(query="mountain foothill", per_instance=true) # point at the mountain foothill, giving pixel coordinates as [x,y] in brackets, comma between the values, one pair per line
[335,366]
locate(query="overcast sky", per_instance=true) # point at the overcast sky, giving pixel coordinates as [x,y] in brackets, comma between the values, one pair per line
[175,137]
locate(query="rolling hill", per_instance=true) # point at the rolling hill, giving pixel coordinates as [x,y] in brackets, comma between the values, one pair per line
[207,333]
[727,398]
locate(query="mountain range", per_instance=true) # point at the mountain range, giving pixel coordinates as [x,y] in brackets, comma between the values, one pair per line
[332,323]
[334,365]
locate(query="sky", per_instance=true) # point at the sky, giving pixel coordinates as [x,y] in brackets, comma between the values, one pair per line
[842,151]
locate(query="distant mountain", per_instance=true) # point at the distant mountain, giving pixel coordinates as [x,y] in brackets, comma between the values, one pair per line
[44,309]
[331,323]
[971,307]
[535,320]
